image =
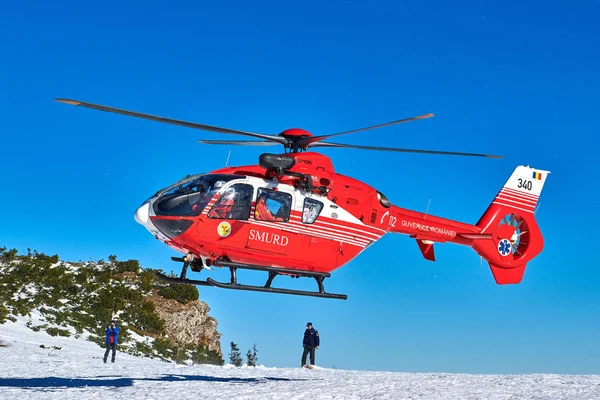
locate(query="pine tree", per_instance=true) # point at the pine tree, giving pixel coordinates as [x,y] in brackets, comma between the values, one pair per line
[202,355]
[180,356]
[235,357]
[254,354]
[252,357]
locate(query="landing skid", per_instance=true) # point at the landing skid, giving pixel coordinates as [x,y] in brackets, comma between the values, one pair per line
[273,272]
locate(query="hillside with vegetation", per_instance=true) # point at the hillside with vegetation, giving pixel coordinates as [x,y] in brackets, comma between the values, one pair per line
[156,319]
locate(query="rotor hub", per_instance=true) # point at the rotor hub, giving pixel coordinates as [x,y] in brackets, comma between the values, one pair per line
[515,237]
[295,133]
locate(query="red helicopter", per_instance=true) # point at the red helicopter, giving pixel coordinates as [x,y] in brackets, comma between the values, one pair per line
[293,215]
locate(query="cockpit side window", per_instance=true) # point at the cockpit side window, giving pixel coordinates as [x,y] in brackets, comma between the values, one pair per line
[190,198]
[234,203]
[273,206]
[311,210]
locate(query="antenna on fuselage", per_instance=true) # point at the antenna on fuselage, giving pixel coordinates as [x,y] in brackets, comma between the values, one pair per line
[227,161]
[426,211]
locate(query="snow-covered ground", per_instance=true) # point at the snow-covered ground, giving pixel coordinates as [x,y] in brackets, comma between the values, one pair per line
[76,371]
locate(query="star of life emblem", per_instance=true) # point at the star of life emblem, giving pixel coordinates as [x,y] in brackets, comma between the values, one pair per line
[504,247]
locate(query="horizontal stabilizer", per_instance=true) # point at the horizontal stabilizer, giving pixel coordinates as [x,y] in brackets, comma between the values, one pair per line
[426,247]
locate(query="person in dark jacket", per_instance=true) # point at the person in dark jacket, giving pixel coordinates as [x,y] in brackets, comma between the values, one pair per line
[310,343]
[112,338]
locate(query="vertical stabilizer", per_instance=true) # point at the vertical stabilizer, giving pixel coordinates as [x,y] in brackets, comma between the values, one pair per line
[515,235]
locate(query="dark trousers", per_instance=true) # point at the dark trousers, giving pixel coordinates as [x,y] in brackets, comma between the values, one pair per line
[311,350]
[109,347]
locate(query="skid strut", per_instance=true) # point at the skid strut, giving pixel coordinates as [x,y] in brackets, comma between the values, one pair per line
[267,288]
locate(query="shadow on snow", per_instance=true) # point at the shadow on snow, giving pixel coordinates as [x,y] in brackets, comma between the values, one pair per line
[54,382]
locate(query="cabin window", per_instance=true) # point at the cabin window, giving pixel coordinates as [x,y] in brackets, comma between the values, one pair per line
[383,200]
[273,206]
[311,210]
[234,203]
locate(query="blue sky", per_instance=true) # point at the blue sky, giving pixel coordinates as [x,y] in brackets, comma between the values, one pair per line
[510,78]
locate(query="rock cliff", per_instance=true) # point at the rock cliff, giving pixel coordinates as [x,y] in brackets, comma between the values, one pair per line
[188,323]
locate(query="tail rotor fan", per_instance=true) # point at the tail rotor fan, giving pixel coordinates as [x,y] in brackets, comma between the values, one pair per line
[520,237]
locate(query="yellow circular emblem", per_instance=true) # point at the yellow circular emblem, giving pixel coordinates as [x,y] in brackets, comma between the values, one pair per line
[224,229]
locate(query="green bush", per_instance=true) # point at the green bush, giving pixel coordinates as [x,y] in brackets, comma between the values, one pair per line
[143,348]
[127,266]
[146,279]
[143,316]
[181,292]
[202,355]
[164,347]
[38,327]
[58,332]
[8,255]
[3,314]
[180,356]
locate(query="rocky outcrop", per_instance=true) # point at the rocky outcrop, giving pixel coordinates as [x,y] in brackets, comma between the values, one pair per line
[188,323]
[73,297]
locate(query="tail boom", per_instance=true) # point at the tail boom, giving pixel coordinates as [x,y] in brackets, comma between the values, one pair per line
[429,229]
[506,236]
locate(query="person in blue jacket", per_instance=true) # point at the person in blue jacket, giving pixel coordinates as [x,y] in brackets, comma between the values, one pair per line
[310,343]
[112,338]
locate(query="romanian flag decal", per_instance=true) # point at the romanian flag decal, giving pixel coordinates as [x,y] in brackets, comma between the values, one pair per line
[537,176]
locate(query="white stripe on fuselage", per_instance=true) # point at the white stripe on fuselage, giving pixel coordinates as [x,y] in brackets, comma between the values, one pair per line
[358,234]
[292,228]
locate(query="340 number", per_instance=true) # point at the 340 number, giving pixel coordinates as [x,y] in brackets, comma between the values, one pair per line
[525,184]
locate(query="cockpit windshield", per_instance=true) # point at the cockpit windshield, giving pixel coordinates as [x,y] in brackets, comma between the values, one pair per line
[188,197]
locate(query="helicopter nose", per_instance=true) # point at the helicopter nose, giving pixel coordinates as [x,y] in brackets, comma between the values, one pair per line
[142,214]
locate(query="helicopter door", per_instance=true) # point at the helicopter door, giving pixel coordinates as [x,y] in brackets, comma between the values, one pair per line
[269,231]
[227,217]
[319,246]
[358,202]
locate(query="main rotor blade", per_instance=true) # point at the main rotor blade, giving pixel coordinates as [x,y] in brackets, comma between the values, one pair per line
[400,150]
[314,139]
[239,142]
[194,125]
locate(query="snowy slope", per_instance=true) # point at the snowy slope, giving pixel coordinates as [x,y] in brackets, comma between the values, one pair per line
[76,371]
